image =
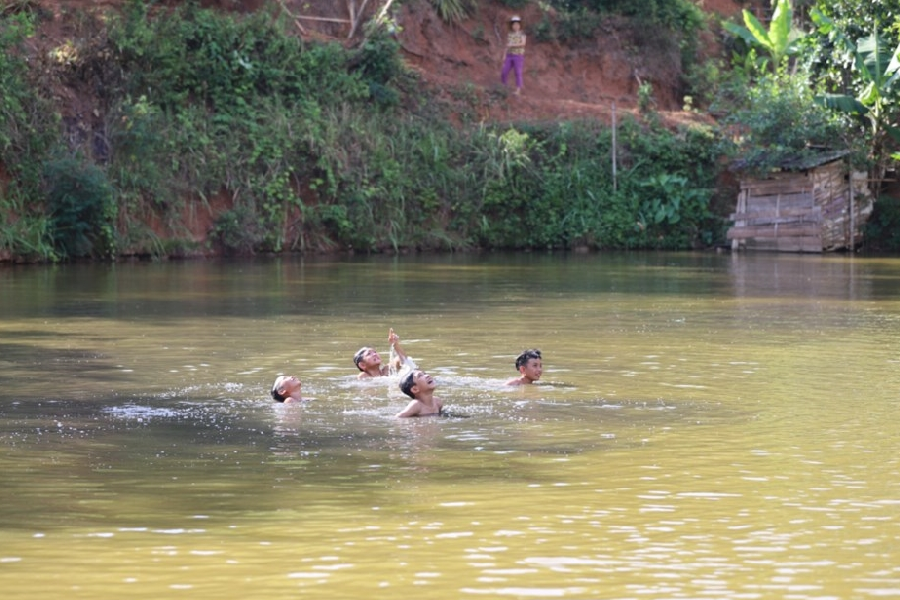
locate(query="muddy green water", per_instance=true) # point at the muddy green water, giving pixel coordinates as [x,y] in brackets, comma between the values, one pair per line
[707,426]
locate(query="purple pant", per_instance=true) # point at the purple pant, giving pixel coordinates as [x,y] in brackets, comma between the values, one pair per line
[515,62]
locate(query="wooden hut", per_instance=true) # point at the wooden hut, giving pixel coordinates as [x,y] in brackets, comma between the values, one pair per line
[812,205]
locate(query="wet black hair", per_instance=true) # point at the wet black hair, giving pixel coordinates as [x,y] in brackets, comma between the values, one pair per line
[359,356]
[407,383]
[526,355]
[277,396]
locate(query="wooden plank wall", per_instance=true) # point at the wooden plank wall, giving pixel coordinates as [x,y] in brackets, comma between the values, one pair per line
[777,214]
[832,193]
[798,212]
[837,223]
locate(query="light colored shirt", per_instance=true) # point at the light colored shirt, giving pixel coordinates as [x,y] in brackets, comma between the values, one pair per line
[515,42]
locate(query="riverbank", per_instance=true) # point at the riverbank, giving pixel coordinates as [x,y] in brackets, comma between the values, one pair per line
[211,132]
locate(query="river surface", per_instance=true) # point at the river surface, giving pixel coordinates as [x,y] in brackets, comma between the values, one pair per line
[707,426]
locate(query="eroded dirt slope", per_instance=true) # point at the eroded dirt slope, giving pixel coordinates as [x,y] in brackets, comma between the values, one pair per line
[561,81]
[581,79]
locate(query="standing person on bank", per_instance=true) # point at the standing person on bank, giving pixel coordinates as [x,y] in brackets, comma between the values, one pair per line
[514,59]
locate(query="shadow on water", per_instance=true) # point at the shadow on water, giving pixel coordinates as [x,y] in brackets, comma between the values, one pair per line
[61,364]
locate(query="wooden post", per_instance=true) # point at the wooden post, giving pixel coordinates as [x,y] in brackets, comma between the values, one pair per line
[852,245]
[615,183]
[777,216]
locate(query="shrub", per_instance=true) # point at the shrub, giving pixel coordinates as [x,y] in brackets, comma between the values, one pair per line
[237,231]
[28,123]
[377,61]
[882,230]
[580,23]
[780,120]
[81,209]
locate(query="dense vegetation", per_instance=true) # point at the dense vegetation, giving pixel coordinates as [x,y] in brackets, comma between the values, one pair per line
[823,76]
[316,147]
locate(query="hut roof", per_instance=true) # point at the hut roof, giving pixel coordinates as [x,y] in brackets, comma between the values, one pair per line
[801,160]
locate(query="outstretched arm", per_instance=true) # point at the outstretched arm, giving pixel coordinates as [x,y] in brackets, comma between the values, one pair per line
[394,340]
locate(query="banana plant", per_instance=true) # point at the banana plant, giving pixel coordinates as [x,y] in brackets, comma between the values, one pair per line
[876,70]
[779,40]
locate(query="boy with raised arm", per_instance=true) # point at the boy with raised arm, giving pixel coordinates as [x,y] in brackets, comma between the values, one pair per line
[369,362]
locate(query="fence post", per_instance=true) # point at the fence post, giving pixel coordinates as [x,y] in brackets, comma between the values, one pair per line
[615,183]
[852,245]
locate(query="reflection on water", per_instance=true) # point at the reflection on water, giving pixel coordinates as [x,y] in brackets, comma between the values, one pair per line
[706,426]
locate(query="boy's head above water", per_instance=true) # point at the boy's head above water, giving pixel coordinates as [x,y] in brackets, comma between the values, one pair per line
[287,389]
[366,356]
[529,365]
[522,359]
[416,382]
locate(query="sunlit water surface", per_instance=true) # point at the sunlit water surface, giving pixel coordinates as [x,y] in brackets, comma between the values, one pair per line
[707,426]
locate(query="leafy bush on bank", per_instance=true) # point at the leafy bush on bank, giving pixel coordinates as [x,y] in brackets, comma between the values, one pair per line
[882,232]
[29,132]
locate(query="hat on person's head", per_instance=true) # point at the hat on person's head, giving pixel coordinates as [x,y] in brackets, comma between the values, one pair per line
[515,19]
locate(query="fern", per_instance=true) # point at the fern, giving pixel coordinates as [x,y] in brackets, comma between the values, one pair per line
[453,11]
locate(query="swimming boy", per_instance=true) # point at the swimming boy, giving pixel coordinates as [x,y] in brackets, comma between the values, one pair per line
[369,363]
[420,386]
[529,366]
[287,389]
